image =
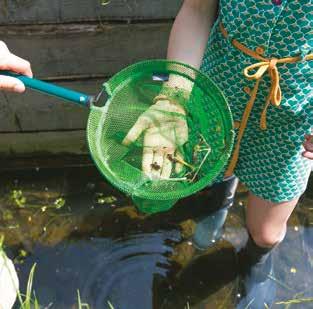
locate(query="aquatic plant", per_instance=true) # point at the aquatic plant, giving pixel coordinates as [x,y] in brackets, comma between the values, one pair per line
[18,198]
[110,305]
[80,304]
[105,2]
[29,300]
[296,301]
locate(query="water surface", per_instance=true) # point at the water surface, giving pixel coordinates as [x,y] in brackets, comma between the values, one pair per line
[84,235]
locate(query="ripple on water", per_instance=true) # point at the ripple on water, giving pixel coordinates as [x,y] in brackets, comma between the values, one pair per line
[121,271]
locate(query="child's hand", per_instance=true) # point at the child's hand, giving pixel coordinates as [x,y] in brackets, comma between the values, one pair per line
[165,130]
[13,63]
[308,146]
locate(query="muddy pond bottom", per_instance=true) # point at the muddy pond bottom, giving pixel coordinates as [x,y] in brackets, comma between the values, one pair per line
[85,237]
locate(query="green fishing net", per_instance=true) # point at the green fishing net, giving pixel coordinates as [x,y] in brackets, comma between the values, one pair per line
[202,157]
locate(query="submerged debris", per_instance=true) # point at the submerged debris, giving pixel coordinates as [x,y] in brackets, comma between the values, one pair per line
[102,199]
[59,203]
[155,166]
[7,215]
[293,270]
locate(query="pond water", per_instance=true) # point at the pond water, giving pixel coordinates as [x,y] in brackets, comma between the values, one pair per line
[84,235]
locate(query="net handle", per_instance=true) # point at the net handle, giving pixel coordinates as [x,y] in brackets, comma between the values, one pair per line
[51,89]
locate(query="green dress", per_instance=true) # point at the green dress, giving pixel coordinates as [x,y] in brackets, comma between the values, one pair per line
[270,163]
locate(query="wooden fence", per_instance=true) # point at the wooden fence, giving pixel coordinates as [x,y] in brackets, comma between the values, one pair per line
[77,44]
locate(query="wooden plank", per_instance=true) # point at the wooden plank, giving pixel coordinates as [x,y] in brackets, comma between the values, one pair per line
[22,162]
[8,122]
[87,50]
[33,111]
[42,143]
[60,11]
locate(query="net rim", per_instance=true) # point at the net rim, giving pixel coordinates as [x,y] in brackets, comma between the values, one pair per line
[165,196]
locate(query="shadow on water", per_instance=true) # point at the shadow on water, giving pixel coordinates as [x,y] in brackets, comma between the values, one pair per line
[86,236]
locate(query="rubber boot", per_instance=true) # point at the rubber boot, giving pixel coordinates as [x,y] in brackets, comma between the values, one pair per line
[210,227]
[256,265]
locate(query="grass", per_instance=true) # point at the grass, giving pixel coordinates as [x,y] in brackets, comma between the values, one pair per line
[29,299]
[80,304]
[110,305]
[296,301]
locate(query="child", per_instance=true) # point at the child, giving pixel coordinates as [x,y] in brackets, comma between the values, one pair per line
[13,63]
[9,283]
[259,54]
[8,277]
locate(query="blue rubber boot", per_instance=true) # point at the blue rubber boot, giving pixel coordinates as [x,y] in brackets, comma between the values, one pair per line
[210,226]
[257,270]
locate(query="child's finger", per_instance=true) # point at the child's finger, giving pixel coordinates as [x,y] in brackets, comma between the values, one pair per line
[3,47]
[157,163]
[141,124]
[18,65]
[9,83]
[308,145]
[147,160]
[308,154]
[167,164]
[178,165]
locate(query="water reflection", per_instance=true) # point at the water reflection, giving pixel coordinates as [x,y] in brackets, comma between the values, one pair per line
[97,243]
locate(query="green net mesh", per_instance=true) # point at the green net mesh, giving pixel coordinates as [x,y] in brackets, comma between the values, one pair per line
[202,157]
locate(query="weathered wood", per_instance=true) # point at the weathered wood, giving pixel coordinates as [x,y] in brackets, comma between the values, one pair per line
[7,116]
[68,142]
[87,50]
[59,11]
[59,161]
[33,111]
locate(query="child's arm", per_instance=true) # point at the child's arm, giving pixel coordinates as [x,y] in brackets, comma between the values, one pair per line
[189,35]
[190,31]
[13,63]
[308,147]
[164,124]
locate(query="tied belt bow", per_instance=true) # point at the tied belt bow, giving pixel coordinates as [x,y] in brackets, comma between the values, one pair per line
[256,72]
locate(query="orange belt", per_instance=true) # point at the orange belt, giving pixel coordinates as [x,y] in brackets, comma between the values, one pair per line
[274,97]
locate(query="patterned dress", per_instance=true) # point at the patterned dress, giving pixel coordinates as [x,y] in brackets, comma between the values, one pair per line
[270,161]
